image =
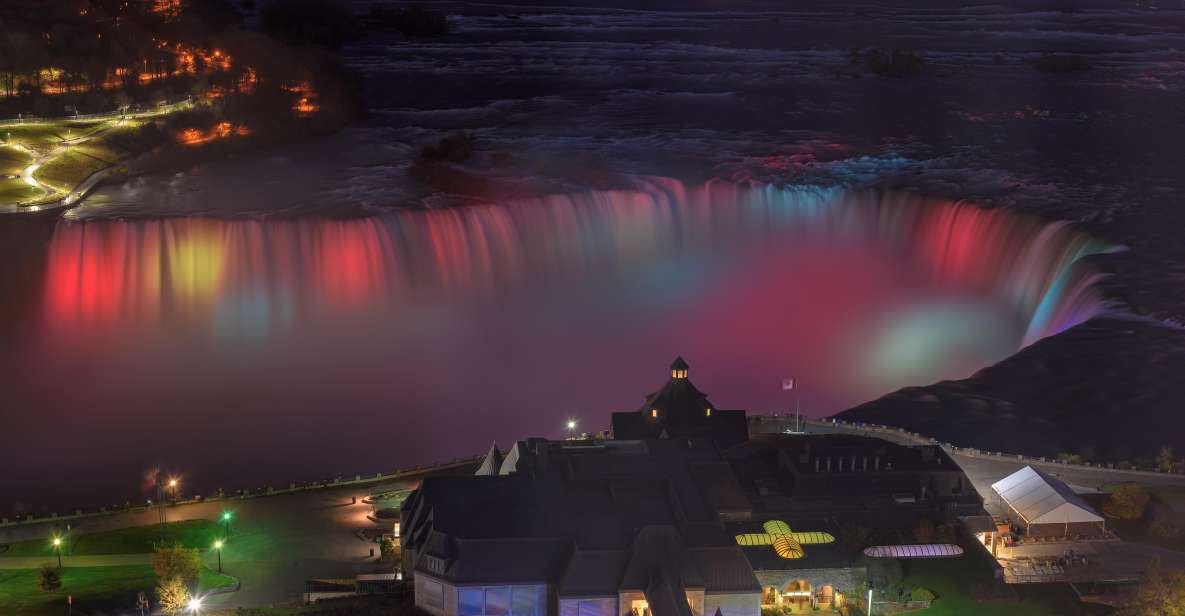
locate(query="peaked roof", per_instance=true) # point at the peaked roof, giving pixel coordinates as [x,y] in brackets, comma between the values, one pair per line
[1041,499]
[492,462]
[679,409]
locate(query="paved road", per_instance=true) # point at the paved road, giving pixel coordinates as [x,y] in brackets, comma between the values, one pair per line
[276,541]
[983,471]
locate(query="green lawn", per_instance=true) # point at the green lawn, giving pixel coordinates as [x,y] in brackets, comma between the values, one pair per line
[42,137]
[13,161]
[17,191]
[93,588]
[69,169]
[135,540]
[953,581]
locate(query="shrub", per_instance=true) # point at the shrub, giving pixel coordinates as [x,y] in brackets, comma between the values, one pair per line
[50,578]
[172,595]
[175,561]
[886,576]
[1127,502]
[854,537]
[922,594]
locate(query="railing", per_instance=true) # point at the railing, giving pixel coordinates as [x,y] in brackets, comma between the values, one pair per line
[966,451]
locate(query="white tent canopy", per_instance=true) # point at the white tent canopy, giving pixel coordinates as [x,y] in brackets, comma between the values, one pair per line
[1041,499]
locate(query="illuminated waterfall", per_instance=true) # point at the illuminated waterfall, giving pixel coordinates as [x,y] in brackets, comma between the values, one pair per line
[251,278]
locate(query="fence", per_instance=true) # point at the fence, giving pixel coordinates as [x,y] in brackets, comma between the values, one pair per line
[969,451]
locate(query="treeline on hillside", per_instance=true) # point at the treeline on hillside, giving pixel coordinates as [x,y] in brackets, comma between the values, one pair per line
[59,57]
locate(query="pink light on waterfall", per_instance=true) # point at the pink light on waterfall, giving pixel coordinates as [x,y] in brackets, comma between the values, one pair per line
[858,293]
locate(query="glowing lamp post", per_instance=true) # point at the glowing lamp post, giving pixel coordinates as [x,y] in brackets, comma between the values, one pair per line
[57,548]
[218,548]
[571,428]
[226,521]
[195,605]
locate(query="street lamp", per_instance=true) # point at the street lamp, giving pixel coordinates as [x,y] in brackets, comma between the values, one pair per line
[571,428]
[57,547]
[218,548]
[226,521]
[195,605]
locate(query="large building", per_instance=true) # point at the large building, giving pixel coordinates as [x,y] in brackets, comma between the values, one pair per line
[681,513]
[681,410]
[582,528]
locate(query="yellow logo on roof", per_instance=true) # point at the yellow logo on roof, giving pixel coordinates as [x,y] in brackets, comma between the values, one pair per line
[787,543]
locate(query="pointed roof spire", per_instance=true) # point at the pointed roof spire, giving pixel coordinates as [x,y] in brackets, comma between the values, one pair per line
[492,462]
[679,369]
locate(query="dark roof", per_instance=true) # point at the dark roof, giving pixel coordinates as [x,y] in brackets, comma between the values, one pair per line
[725,569]
[506,561]
[581,505]
[666,596]
[594,573]
[682,411]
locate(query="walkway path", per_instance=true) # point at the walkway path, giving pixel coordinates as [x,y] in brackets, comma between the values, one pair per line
[54,198]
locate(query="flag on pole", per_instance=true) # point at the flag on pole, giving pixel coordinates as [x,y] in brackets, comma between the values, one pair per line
[787,384]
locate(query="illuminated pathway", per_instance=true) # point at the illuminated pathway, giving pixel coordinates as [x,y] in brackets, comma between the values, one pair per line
[54,198]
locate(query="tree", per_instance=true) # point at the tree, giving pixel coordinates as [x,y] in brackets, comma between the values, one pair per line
[1164,459]
[924,531]
[854,537]
[172,595]
[51,578]
[172,560]
[885,576]
[1127,502]
[1160,594]
[390,550]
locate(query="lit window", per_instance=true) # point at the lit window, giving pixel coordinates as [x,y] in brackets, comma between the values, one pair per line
[708,413]
[497,601]
[654,413]
[469,601]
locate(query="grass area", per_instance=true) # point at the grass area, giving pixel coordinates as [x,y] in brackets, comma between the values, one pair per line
[43,137]
[13,161]
[135,540]
[17,191]
[954,581]
[93,588]
[70,168]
